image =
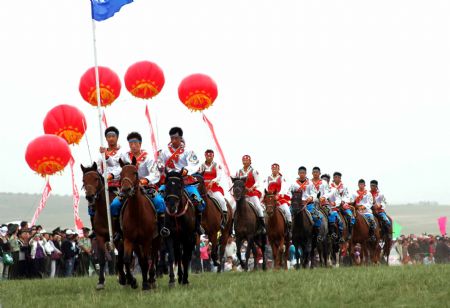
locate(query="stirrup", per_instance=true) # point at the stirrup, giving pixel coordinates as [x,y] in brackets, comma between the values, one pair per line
[164,232]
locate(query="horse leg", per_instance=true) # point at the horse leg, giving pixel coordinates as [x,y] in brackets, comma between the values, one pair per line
[171,255]
[143,263]
[128,254]
[238,249]
[153,261]
[247,254]
[102,261]
[263,251]
[188,248]
[255,253]
[214,248]
[120,265]
[276,255]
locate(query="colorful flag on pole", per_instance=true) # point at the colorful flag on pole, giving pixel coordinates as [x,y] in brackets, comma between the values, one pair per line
[104,9]
[442,223]
[45,194]
[76,200]
[152,133]
[211,128]
[397,230]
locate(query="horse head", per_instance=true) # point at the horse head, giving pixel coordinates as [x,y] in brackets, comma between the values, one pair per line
[297,204]
[93,183]
[238,187]
[129,178]
[270,201]
[173,191]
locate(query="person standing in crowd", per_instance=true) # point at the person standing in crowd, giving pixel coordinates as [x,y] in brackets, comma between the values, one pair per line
[14,247]
[24,264]
[37,255]
[86,250]
[53,253]
[4,252]
[69,252]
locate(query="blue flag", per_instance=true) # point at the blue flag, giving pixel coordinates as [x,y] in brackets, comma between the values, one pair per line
[104,9]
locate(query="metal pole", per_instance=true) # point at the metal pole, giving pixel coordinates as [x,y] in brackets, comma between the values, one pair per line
[97,83]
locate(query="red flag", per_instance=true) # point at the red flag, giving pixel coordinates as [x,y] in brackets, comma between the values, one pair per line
[152,133]
[45,194]
[76,200]
[211,128]
[104,119]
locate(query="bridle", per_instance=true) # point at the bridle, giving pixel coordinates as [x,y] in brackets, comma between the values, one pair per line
[271,204]
[133,184]
[177,199]
[97,189]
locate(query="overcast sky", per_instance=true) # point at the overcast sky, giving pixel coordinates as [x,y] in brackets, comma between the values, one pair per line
[361,87]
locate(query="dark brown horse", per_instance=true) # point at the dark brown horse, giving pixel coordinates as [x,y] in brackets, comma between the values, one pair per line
[276,231]
[370,250]
[246,226]
[94,187]
[386,239]
[138,221]
[180,215]
[211,221]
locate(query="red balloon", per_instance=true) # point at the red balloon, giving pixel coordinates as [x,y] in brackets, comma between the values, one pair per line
[67,122]
[109,86]
[144,79]
[197,92]
[48,154]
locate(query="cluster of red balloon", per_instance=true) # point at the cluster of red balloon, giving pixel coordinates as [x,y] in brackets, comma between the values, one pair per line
[50,153]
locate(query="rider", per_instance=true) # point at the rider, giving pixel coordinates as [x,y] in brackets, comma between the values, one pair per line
[316,191]
[212,173]
[363,203]
[301,184]
[253,195]
[149,175]
[275,184]
[176,157]
[379,206]
[334,201]
[112,155]
[339,186]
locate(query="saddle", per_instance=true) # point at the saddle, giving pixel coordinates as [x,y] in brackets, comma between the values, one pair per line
[215,202]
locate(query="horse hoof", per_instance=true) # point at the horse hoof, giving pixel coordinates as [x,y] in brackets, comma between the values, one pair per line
[153,285]
[185,283]
[100,286]
[145,287]
[122,281]
[133,283]
[171,284]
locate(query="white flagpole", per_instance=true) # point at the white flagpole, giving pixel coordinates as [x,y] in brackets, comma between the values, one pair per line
[97,82]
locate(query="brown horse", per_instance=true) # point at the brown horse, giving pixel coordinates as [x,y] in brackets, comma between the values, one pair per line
[211,221]
[93,184]
[276,231]
[370,250]
[139,225]
[386,238]
[246,226]
[180,216]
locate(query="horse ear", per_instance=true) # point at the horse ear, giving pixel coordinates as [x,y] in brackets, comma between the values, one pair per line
[232,179]
[83,168]
[265,191]
[318,195]
[121,163]
[94,166]
[133,161]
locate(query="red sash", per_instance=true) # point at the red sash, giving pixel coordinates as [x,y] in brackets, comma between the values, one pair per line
[249,184]
[174,157]
[139,159]
[361,195]
[375,195]
[317,186]
[339,187]
[303,185]
[111,152]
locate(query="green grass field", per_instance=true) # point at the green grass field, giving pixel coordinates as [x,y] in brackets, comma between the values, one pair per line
[409,286]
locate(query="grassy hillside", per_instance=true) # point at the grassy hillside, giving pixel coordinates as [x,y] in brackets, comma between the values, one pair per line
[58,212]
[409,286]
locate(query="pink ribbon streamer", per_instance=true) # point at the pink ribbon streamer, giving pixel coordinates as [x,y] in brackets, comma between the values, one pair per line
[442,222]
[222,157]
[76,200]
[45,194]
[104,119]
[152,133]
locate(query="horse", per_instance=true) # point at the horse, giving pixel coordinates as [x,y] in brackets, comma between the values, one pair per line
[94,186]
[386,239]
[277,232]
[246,226]
[302,234]
[139,225]
[369,249]
[211,221]
[180,216]
[335,246]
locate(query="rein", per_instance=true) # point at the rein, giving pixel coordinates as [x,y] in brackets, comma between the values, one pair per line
[97,190]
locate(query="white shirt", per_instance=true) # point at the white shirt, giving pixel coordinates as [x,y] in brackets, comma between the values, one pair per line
[219,170]
[380,199]
[112,164]
[367,201]
[147,168]
[187,159]
[322,188]
[296,188]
